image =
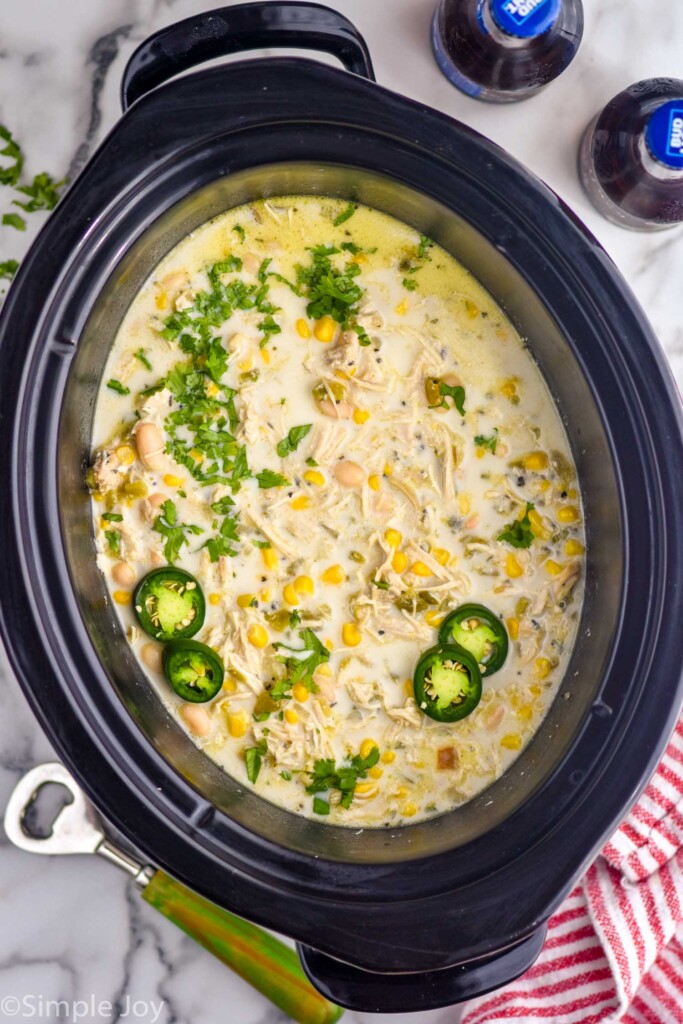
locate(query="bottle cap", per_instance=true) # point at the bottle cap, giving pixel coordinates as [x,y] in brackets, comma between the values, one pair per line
[525,18]
[664,134]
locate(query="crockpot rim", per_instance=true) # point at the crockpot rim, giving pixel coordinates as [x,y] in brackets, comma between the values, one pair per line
[337,80]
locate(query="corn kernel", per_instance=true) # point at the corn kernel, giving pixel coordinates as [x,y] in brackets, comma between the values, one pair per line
[479,453]
[97,496]
[572,493]
[300,693]
[568,514]
[214,598]
[535,461]
[269,556]
[125,454]
[173,481]
[302,329]
[237,724]
[513,628]
[409,810]
[161,300]
[408,688]
[245,364]
[387,471]
[538,527]
[244,600]
[389,756]
[509,389]
[442,555]
[535,690]
[265,356]
[366,789]
[511,741]
[574,547]
[257,636]
[121,596]
[359,257]
[512,567]
[393,538]
[373,482]
[330,646]
[399,563]
[471,309]
[289,594]
[464,504]
[367,747]
[312,476]
[335,574]
[229,684]
[434,618]
[376,772]
[304,585]
[402,308]
[197,456]
[360,416]
[420,569]
[265,595]
[543,667]
[351,636]
[211,389]
[552,567]
[325,329]
[401,792]
[525,712]
[543,485]
[300,503]
[291,716]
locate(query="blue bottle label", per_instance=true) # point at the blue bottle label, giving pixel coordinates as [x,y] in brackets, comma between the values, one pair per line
[664,134]
[525,18]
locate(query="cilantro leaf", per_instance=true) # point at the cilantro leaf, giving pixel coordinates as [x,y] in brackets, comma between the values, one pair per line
[410,284]
[491,442]
[43,193]
[8,269]
[222,506]
[254,758]
[267,478]
[330,291]
[10,175]
[13,220]
[457,393]
[293,440]
[327,776]
[142,358]
[345,215]
[425,244]
[519,533]
[301,663]
[320,806]
[239,231]
[167,525]
[113,539]
[116,385]
[112,517]
[222,543]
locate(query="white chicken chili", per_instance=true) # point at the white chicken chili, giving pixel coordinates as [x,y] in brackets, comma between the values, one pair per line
[358,506]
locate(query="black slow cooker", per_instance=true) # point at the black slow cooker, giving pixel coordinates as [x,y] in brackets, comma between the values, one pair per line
[395,919]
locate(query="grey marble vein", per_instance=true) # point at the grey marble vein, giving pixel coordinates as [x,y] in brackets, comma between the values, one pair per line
[73,928]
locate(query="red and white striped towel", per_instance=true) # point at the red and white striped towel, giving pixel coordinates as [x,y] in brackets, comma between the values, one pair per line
[614,951]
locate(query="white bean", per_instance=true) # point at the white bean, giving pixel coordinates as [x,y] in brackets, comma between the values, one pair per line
[251,263]
[336,411]
[149,442]
[151,656]
[349,474]
[123,574]
[196,719]
[494,716]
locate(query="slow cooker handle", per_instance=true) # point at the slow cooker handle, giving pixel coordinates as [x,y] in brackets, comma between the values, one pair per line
[357,989]
[252,26]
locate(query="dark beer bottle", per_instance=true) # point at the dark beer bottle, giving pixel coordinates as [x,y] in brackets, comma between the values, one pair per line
[505,50]
[631,156]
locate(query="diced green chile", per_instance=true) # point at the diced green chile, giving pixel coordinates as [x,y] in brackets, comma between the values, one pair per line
[447,683]
[480,632]
[169,604]
[193,670]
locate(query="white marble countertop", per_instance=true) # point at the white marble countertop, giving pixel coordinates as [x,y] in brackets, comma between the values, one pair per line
[74,929]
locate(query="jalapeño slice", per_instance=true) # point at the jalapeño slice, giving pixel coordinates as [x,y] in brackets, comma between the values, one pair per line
[447,683]
[480,632]
[169,604]
[194,670]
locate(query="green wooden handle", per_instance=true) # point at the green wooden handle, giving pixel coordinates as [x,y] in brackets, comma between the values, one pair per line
[259,958]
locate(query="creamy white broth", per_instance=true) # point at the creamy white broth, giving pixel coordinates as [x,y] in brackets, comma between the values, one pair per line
[429,500]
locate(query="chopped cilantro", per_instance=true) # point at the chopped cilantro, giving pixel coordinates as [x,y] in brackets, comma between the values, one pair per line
[262,544]
[519,533]
[142,358]
[320,806]
[10,175]
[43,193]
[351,247]
[13,220]
[330,291]
[287,776]
[301,663]
[327,776]
[112,517]
[254,758]
[239,231]
[267,478]
[223,506]
[491,442]
[344,215]
[457,394]
[8,269]
[293,440]
[410,284]
[425,243]
[175,533]
[310,461]
[222,543]
[116,385]
[294,618]
[381,584]
[113,538]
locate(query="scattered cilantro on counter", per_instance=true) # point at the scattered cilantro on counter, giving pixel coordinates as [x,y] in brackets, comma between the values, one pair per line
[13,220]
